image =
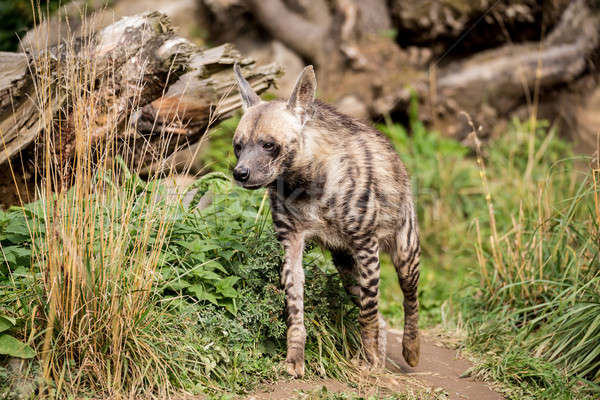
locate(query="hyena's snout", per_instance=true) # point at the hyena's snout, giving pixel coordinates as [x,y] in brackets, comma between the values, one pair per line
[241,173]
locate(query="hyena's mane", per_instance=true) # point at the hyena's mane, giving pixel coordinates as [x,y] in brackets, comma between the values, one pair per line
[326,117]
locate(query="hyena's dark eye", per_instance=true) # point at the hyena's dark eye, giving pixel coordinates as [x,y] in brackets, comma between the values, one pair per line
[269,146]
[236,149]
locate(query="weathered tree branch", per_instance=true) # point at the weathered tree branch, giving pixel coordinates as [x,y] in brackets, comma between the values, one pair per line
[292,29]
[159,90]
[317,11]
[13,80]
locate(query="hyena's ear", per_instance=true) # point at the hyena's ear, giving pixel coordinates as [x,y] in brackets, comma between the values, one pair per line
[249,98]
[303,95]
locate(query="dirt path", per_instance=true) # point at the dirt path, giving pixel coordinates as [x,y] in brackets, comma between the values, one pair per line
[439,368]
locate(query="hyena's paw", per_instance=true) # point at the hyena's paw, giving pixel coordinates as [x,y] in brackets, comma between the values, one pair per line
[372,358]
[295,362]
[374,346]
[369,363]
[411,350]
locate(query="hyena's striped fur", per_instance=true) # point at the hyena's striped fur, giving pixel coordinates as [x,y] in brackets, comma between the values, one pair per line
[337,181]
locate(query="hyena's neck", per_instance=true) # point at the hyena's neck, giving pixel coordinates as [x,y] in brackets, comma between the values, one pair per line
[301,183]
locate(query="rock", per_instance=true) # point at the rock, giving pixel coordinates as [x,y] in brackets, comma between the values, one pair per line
[22,385]
[177,192]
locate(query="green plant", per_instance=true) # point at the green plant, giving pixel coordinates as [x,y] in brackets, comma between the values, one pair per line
[219,156]
[214,315]
[225,258]
[13,257]
[537,285]
[448,196]
[9,345]
[18,16]
[531,225]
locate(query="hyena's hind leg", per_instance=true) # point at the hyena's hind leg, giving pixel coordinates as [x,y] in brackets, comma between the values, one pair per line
[372,327]
[346,266]
[406,254]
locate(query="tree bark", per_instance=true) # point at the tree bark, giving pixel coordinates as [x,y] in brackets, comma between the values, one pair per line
[159,90]
[471,26]
[492,84]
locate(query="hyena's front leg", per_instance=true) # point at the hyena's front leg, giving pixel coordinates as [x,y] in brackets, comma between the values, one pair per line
[292,279]
[372,327]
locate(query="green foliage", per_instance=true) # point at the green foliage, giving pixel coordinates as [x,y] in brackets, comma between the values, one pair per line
[219,156]
[447,192]
[537,278]
[217,311]
[18,17]
[535,289]
[570,334]
[14,232]
[11,346]
[226,257]
[13,257]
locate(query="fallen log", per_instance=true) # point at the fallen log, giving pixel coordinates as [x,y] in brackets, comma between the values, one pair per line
[150,92]
[493,84]
[440,25]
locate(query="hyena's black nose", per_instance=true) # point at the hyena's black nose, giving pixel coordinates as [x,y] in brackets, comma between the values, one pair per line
[241,174]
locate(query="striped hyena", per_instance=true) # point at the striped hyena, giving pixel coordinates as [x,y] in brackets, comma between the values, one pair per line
[340,182]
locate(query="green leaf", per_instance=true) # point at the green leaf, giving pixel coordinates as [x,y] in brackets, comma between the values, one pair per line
[14,348]
[178,285]
[17,230]
[7,256]
[15,254]
[225,287]
[206,275]
[200,245]
[213,265]
[230,306]
[6,323]
[202,294]
[165,258]
[12,320]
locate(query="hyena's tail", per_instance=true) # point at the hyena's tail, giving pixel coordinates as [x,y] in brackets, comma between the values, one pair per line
[405,255]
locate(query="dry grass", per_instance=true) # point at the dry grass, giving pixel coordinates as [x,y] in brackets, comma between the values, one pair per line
[97,238]
[536,305]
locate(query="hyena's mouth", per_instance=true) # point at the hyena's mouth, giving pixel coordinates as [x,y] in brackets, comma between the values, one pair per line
[252,187]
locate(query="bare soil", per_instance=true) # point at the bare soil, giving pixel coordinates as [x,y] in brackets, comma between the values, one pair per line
[440,369]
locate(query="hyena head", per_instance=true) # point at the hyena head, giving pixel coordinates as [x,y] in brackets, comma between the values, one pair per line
[269,135]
